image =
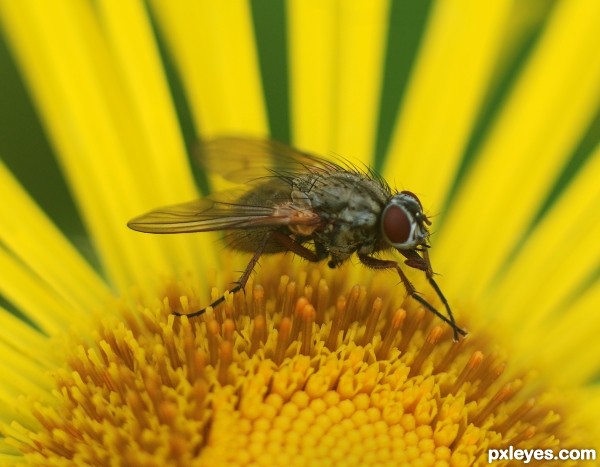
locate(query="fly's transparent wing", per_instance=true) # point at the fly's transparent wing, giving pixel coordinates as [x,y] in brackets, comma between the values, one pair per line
[205,215]
[266,170]
[202,215]
[244,160]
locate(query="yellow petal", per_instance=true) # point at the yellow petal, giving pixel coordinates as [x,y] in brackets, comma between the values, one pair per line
[213,45]
[539,125]
[336,50]
[67,283]
[447,85]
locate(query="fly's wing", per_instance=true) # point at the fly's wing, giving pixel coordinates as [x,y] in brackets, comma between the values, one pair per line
[207,214]
[265,168]
[244,160]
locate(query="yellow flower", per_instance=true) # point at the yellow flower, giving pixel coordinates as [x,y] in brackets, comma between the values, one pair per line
[487,110]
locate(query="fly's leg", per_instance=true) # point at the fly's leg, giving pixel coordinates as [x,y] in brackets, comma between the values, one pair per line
[414,260]
[438,291]
[299,249]
[375,263]
[240,283]
[413,293]
[280,238]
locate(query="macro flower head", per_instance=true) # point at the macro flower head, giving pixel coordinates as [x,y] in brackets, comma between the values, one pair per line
[488,111]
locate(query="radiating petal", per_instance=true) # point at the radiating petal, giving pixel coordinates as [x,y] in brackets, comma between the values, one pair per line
[214,49]
[27,238]
[86,104]
[447,85]
[336,50]
[540,123]
[558,257]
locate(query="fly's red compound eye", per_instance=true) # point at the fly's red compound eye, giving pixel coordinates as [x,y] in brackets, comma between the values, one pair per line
[396,225]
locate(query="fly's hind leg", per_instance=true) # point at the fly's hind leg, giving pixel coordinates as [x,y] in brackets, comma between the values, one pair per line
[376,263]
[281,238]
[240,284]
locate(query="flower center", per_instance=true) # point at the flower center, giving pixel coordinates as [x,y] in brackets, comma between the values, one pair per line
[302,368]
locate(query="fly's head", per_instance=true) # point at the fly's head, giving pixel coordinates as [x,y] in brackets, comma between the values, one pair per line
[403,223]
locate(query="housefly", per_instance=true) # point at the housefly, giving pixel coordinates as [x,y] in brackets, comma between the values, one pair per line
[295,201]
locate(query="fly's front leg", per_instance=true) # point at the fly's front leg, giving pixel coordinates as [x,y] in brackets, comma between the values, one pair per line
[240,283]
[414,260]
[429,275]
[376,263]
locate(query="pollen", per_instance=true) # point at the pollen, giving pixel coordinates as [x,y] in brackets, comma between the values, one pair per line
[302,369]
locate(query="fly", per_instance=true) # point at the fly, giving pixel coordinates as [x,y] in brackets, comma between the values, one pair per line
[295,201]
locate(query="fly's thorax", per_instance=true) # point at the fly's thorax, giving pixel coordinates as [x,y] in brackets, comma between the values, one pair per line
[345,196]
[349,205]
